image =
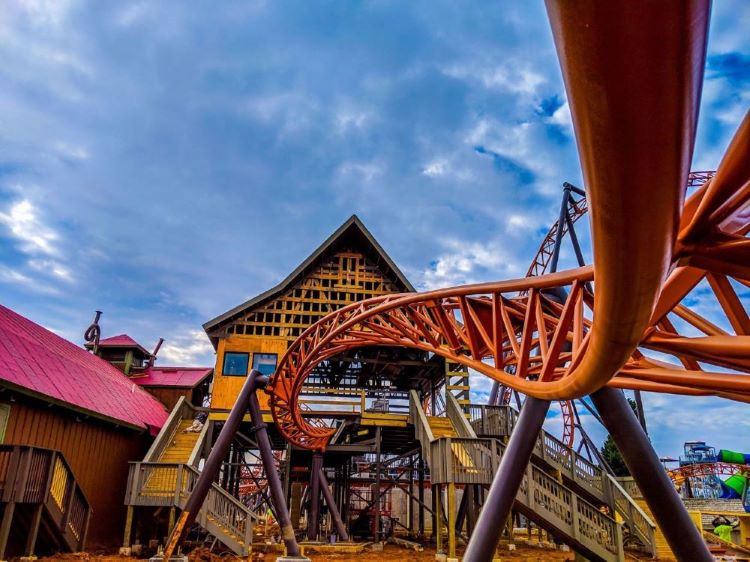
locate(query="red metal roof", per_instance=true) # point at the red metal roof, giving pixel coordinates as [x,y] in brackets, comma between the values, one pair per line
[37,360]
[123,340]
[186,377]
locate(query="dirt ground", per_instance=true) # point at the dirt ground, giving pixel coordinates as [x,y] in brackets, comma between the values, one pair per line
[390,553]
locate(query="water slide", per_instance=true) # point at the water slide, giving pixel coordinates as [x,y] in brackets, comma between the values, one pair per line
[736,485]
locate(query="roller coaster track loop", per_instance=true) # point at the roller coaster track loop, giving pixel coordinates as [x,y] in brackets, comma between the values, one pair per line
[651,247]
[576,208]
[475,323]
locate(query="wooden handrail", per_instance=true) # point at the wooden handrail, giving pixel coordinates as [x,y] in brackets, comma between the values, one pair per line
[43,476]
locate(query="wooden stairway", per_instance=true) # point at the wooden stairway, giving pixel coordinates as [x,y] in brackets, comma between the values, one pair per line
[168,473]
[441,427]
[455,455]
[660,542]
[40,482]
[182,444]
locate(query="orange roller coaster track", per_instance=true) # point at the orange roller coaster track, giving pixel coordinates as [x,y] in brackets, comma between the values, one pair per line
[489,326]
[653,251]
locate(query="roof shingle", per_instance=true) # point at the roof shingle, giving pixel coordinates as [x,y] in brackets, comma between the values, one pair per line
[35,359]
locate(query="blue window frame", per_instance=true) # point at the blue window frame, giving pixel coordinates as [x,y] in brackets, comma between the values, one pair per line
[265,363]
[235,364]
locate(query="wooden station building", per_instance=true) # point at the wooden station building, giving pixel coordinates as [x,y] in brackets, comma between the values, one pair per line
[69,424]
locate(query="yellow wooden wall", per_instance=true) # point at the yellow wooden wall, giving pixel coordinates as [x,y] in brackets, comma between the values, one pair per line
[340,279]
[227,388]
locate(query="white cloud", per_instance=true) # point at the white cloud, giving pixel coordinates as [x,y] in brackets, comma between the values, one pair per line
[52,268]
[133,14]
[14,277]
[187,348]
[511,78]
[347,120]
[463,263]
[46,12]
[23,222]
[562,117]
[436,168]
[362,171]
[71,151]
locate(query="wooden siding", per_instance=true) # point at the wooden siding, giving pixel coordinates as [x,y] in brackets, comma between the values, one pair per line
[341,279]
[344,278]
[170,395]
[97,452]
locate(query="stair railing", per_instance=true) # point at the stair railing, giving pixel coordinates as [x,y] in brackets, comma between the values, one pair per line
[164,484]
[639,523]
[181,410]
[500,420]
[35,475]
[418,419]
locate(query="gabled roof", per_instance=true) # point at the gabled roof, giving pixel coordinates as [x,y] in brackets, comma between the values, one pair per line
[123,340]
[353,228]
[180,377]
[37,362]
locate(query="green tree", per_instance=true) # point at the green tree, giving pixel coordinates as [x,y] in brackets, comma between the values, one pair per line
[611,453]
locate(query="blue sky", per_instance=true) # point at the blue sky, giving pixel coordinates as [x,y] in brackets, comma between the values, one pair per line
[163,162]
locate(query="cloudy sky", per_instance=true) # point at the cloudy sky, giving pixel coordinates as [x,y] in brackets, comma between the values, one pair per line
[165,161]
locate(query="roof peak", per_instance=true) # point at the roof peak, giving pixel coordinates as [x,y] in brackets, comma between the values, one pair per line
[352,222]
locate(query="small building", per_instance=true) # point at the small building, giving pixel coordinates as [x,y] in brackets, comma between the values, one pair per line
[167,384]
[70,422]
[122,351]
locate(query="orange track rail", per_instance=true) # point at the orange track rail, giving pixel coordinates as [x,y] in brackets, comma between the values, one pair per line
[635,116]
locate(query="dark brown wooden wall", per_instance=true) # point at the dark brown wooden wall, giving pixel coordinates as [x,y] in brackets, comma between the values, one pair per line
[170,396]
[97,452]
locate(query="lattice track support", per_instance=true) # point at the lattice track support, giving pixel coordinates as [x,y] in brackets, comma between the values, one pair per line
[457,382]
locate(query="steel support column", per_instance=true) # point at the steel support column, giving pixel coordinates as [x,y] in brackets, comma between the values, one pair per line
[247,400]
[313,514]
[499,500]
[272,475]
[376,493]
[420,494]
[332,507]
[674,522]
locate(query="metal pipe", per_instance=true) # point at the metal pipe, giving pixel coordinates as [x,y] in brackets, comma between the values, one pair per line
[269,466]
[674,522]
[502,494]
[641,412]
[213,464]
[332,507]
[559,233]
[313,514]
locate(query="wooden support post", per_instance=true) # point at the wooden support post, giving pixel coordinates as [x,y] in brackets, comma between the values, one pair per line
[377,483]
[36,519]
[410,508]
[437,520]
[420,494]
[452,521]
[128,526]
[172,514]
[5,525]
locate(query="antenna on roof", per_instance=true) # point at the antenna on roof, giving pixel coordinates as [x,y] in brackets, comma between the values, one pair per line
[156,350]
[94,332]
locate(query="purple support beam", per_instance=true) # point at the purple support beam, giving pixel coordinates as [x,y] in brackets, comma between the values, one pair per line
[313,514]
[502,494]
[681,533]
[247,399]
[332,507]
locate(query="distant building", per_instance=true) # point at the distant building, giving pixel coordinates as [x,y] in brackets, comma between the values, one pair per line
[91,420]
[165,383]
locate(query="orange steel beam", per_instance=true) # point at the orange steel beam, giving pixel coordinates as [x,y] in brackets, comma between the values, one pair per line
[634,115]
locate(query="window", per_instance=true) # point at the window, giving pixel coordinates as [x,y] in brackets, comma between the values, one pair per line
[235,364]
[265,363]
